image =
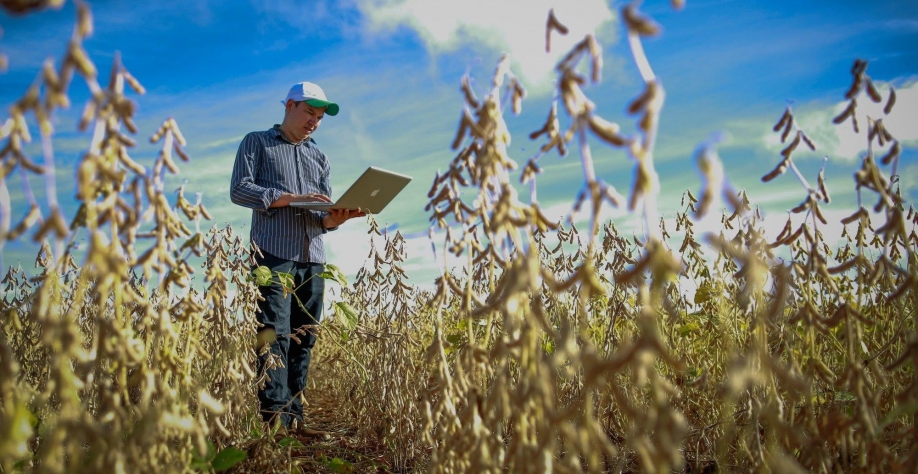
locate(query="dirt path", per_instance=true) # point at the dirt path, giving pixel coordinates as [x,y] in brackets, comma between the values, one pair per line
[344,451]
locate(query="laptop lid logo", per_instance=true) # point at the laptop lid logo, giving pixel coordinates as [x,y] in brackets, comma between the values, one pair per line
[374,193]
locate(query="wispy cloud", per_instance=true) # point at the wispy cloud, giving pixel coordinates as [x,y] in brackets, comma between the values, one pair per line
[902,24]
[503,25]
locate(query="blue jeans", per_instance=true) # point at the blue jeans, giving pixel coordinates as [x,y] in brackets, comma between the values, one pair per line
[283,315]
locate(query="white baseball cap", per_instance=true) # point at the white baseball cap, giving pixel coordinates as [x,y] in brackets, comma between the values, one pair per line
[313,95]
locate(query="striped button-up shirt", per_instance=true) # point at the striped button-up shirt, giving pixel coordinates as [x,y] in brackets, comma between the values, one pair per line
[268,165]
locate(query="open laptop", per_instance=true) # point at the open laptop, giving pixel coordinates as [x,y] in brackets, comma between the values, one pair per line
[372,192]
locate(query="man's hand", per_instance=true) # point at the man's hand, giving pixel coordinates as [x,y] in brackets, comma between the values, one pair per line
[336,217]
[287,198]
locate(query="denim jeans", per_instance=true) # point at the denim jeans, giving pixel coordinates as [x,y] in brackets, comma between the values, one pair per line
[281,394]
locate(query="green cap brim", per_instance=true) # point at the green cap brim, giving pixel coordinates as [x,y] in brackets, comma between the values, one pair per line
[331,108]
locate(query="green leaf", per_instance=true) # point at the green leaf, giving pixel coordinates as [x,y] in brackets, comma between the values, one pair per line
[291,442]
[262,275]
[339,465]
[704,293]
[454,339]
[202,462]
[685,329]
[200,465]
[227,458]
[844,396]
[347,314]
[332,272]
[285,279]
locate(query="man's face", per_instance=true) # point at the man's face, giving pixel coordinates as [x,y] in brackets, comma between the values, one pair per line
[303,118]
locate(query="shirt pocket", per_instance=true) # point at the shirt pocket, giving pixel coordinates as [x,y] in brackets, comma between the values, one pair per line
[276,171]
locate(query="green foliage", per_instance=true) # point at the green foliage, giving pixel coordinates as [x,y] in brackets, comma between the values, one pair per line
[227,458]
[285,280]
[346,314]
[338,465]
[262,276]
[289,442]
[215,460]
[332,272]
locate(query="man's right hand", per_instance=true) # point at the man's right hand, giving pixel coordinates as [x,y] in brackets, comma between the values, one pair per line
[287,198]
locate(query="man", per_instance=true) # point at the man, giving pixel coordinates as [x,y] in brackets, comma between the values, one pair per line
[274,168]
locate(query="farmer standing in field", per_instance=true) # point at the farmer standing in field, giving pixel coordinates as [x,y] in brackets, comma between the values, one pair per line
[274,168]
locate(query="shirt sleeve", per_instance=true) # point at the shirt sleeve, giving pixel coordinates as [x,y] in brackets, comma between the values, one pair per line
[325,230]
[243,190]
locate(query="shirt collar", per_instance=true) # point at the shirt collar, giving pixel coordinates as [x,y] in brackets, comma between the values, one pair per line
[280,135]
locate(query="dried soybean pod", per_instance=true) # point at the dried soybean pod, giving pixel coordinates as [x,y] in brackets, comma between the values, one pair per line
[853,217]
[822,185]
[891,101]
[468,93]
[815,206]
[843,267]
[50,76]
[133,82]
[178,150]
[787,129]
[824,373]
[433,188]
[129,124]
[638,23]
[608,131]
[802,206]
[872,92]
[853,90]
[849,110]
[596,56]
[780,169]
[785,231]
[786,152]
[873,128]
[640,102]
[88,113]
[460,134]
[808,142]
[84,20]
[893,153]
[535,134]
[886,135]
[858,67]
[552,24]
[783,121]
[519,93]
[910,283]
[173,125]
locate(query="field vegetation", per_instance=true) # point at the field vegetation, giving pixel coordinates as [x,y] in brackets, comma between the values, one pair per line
[553,349]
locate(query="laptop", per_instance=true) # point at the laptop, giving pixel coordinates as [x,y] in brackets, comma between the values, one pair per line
[372,192]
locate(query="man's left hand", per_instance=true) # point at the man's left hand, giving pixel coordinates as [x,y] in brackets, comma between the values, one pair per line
[336,217]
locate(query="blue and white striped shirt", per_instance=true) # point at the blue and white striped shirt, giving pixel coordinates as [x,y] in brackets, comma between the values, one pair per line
[268,165]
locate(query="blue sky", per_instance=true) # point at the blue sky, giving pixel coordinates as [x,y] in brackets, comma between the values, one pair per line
[729,66]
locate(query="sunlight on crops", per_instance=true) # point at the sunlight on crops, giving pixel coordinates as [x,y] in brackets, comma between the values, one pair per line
[553,349]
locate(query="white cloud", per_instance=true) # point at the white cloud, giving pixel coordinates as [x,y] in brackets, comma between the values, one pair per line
[506,25]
